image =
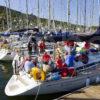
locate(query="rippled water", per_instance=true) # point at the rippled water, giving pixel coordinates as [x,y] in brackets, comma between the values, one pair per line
[5,74]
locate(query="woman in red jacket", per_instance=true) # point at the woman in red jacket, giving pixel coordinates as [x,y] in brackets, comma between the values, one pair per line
[59,62]
[46,58]
[61,66]
[41,46]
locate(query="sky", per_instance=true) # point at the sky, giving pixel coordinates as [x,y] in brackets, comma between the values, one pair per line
[59,9]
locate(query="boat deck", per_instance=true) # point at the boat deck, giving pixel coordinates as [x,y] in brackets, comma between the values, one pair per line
[87,93]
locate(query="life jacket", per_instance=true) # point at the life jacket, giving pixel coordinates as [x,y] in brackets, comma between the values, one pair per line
[46,58]
[87,45]
[59,63]
[64,72]
[42,45]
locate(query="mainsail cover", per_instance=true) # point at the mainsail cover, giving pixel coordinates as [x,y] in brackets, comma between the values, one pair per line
[94,37]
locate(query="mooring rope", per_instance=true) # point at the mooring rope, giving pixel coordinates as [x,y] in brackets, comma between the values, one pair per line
[37,92]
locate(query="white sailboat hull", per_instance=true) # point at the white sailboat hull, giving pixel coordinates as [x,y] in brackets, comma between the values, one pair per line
[23,85]
[4,55]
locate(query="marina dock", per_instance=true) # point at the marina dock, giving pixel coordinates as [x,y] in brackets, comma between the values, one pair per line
[87,93]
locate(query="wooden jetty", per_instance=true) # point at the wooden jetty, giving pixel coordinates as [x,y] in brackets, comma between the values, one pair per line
[87,93]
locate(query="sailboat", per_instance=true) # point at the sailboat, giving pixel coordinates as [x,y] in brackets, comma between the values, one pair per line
[5,53]
[24,84]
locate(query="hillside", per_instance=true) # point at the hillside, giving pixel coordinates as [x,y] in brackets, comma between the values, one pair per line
[19,20]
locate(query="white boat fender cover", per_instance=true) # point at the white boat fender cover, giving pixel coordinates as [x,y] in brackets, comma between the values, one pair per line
[87,81]
[97,79]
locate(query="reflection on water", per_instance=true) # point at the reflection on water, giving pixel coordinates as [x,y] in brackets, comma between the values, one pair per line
[5,74]
[3,68]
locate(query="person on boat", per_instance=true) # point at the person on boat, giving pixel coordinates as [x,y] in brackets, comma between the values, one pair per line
[33,42]
[29,48]
[28,64]
[69,60]
[58,49]
[61,67]
[87,45]
[46,58]
[59,62]
[16,62]
[5,41]
[41,46]
[70,55]
[69,46]
[5,44]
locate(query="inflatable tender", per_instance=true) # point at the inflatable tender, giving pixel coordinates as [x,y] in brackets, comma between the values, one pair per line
[38,74]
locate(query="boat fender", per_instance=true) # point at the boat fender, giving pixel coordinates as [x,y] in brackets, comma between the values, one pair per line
[97,79]
[38,74]
[87,82]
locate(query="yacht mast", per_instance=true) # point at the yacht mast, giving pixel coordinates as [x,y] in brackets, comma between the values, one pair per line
[85,16]
[77,17]
[49,13]
[27,17]
[92,19]
[38,12]
[53,16]
[68,2]
[61,13]
[99,20]
[80,16]
[10,19]
[7,14]
[99,11]
[77,13]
